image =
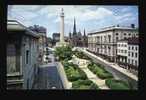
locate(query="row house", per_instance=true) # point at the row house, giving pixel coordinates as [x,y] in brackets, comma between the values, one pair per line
[128,54]
[104,41]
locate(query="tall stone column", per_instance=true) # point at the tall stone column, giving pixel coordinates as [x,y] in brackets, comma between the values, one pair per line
[62,27]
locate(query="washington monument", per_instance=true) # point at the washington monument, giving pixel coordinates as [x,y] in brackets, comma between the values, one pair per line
[62,27]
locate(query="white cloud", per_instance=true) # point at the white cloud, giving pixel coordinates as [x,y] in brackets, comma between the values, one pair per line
[121,17]
[98,14]
[81,13]
[127,19]
[22,11]
[85,15]
[30,8]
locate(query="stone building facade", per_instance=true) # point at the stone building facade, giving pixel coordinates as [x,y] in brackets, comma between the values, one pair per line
[41,31]
[104,41]
[22,56]
[55,38]
[128,54]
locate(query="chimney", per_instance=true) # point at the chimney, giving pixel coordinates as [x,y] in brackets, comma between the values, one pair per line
[132,26]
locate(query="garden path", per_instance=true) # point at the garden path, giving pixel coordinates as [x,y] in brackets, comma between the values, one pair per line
[91,76]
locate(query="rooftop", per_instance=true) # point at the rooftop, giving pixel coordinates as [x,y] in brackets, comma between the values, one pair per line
[14,25]
[114,28]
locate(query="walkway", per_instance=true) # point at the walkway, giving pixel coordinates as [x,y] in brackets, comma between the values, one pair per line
[91,76]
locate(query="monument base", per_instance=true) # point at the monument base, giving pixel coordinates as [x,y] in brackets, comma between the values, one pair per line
[60,44]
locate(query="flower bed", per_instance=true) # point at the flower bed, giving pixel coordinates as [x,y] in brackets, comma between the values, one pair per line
[99,71]
[117,84]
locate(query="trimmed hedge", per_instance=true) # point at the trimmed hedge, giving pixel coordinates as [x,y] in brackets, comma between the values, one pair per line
[94,86]
[117,84]
[84,84]
[73,72]
[80,55]
[99,71]
[77,77]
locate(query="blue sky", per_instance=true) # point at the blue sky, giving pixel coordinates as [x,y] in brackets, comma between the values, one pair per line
[88,17]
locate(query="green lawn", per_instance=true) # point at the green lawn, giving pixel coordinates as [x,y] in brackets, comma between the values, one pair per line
[117,84]
[77,77]
[84,84]
[99,71]
[73,72]
[81,55]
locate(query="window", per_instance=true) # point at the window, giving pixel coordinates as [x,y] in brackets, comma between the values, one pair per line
[11,59]
[135,48]
[27,83]
[109,38]
[132,47]
[116,33]
[104,38]
[128,53]
[132,54]
[128,60]
[136,63]
[124,33]
[129,47]
[101,39]
[135,54]
[129,34]
[125,51]
[117,38]
[27,56]
[132,62]
[119,51]
[119,45]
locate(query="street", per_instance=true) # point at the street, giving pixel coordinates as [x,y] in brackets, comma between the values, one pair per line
[48,77]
